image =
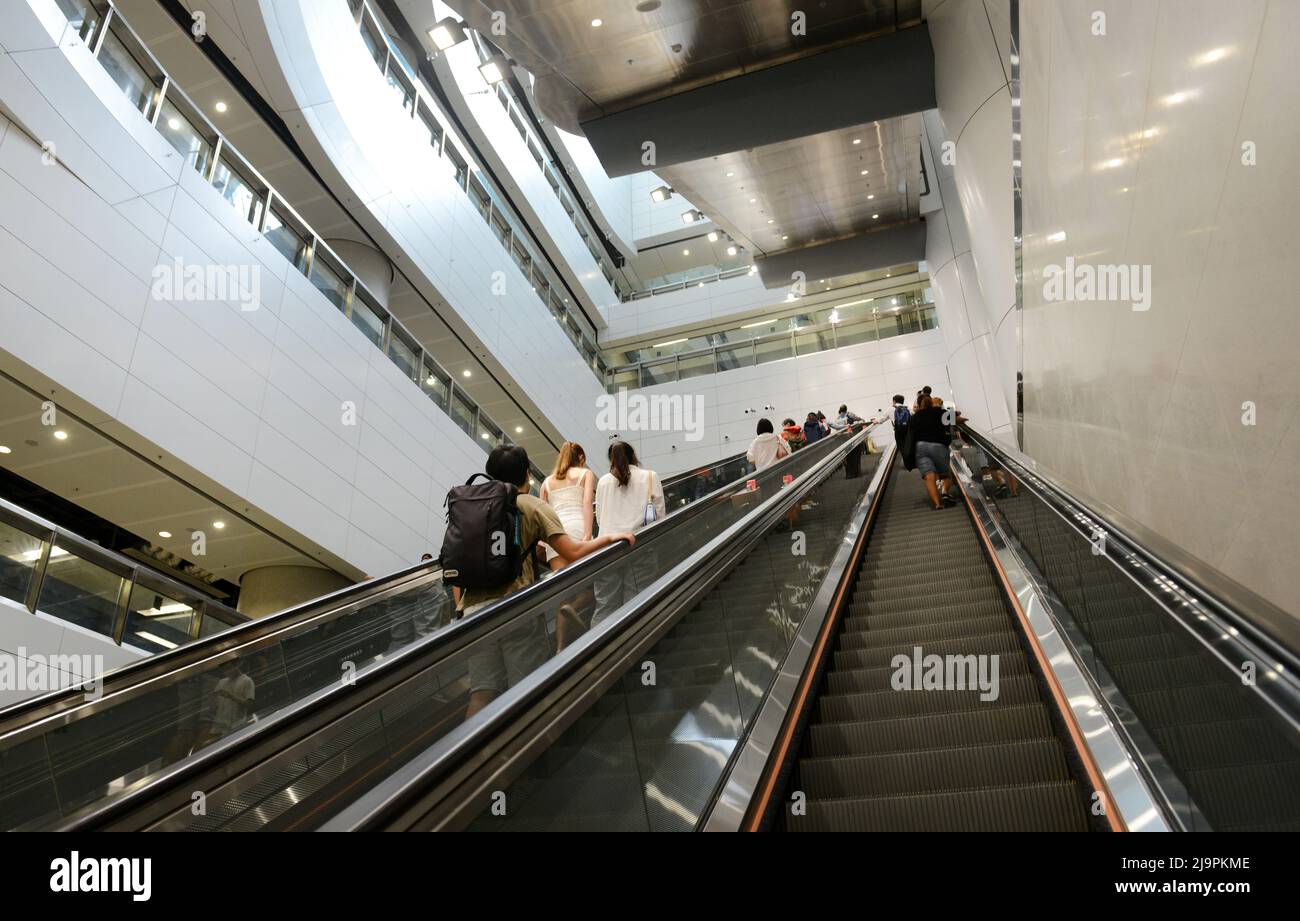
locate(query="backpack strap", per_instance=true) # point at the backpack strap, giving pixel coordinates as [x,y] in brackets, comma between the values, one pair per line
[471,480]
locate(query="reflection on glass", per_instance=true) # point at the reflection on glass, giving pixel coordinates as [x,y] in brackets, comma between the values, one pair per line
[81,592]
[127,72]
[368,320]
[403,355]
[462,412]
[155,622]
[238,191]
[435,385]
[180,132]
[19,554]
[773,349]
[81,15]
[291,244]
[329,283]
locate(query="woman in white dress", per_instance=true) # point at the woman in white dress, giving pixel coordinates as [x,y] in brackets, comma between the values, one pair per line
[628,497]
[571,491]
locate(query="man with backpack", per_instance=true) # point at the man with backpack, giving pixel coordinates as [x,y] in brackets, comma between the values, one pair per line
[493,529]
[902,415]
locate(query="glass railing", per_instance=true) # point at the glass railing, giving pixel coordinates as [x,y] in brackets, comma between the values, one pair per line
[162,103]
[49,570]
[649,755]
[488,200]
[1204,688]
[740,349]
[437,674]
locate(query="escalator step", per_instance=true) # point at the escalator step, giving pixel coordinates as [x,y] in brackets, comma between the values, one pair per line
[891,704]
[1037,807]
[996,765]
[864,680]
[938,730]
[983,603]
[984,644]
[973,626]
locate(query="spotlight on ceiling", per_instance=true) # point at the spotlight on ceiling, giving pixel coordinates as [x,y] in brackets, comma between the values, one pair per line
[663,193]
[494,69]
[445,33]
[732,250]
[692,216]
[713,236]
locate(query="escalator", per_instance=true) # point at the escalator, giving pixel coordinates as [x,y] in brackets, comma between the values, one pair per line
[65,758]
[877,758]
[756,687]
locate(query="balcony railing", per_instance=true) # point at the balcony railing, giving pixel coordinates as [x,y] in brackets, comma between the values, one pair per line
[757,350]
[47,569]
[142,79]
[488,200]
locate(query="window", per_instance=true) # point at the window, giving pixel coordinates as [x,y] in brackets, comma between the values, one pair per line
[127,71]
[237,190]
[82,15]
[457,164]
[479,196]
[431,125]
[374,44]
[500,228]
[404,353]
[180,132]
[522,259]
[328,280]
[82,592]
[463,411]
[19,552]
[369,319]
[291,242]
[398,83]
[155,622]
[435,384]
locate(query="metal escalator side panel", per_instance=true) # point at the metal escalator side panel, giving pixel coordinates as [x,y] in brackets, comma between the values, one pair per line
[745,798]
[451,782]
[1071,695]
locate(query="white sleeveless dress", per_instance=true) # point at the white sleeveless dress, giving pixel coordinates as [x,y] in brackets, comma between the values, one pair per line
[567,502]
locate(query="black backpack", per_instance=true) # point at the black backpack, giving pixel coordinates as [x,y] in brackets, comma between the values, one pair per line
[483,546]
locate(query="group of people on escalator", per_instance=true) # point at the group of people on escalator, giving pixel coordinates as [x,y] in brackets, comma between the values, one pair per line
[926,434]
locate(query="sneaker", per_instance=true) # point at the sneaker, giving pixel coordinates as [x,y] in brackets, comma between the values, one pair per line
[947,500]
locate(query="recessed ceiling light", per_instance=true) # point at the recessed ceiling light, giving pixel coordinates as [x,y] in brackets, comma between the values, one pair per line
[686,252]
[730,174]
[61,435]
[218,525]
[5,449]
[871,196]
[220,107]
[771,220]
[466,373]
[857,140]
[753,200]
[164,534]
[864,172]
[785,236]
[874,216]
[486,437]
[519,429]
[597,23]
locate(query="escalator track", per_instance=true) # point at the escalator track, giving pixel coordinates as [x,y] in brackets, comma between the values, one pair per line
[876,758]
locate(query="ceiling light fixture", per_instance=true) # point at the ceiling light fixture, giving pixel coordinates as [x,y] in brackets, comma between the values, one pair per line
[5,449]
[446,33]
[663,193]
[494,69]
[857,140]
[218,525]
[713,236]
[693,216]
[874,216]
[1057,237]
[686,252]
[61,435]
[519,429]
[164,534]
[731,251]
[597,23]
[871,196]
[466,373]
[220,107]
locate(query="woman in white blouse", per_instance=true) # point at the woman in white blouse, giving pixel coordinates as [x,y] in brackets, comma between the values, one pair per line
[627,499]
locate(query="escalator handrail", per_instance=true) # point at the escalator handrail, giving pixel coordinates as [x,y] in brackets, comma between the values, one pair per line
[379,806]
[21,719]
[283,728]
[1271,629]
[759,756]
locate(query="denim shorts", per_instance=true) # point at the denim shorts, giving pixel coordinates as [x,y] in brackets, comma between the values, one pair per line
[932,458]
